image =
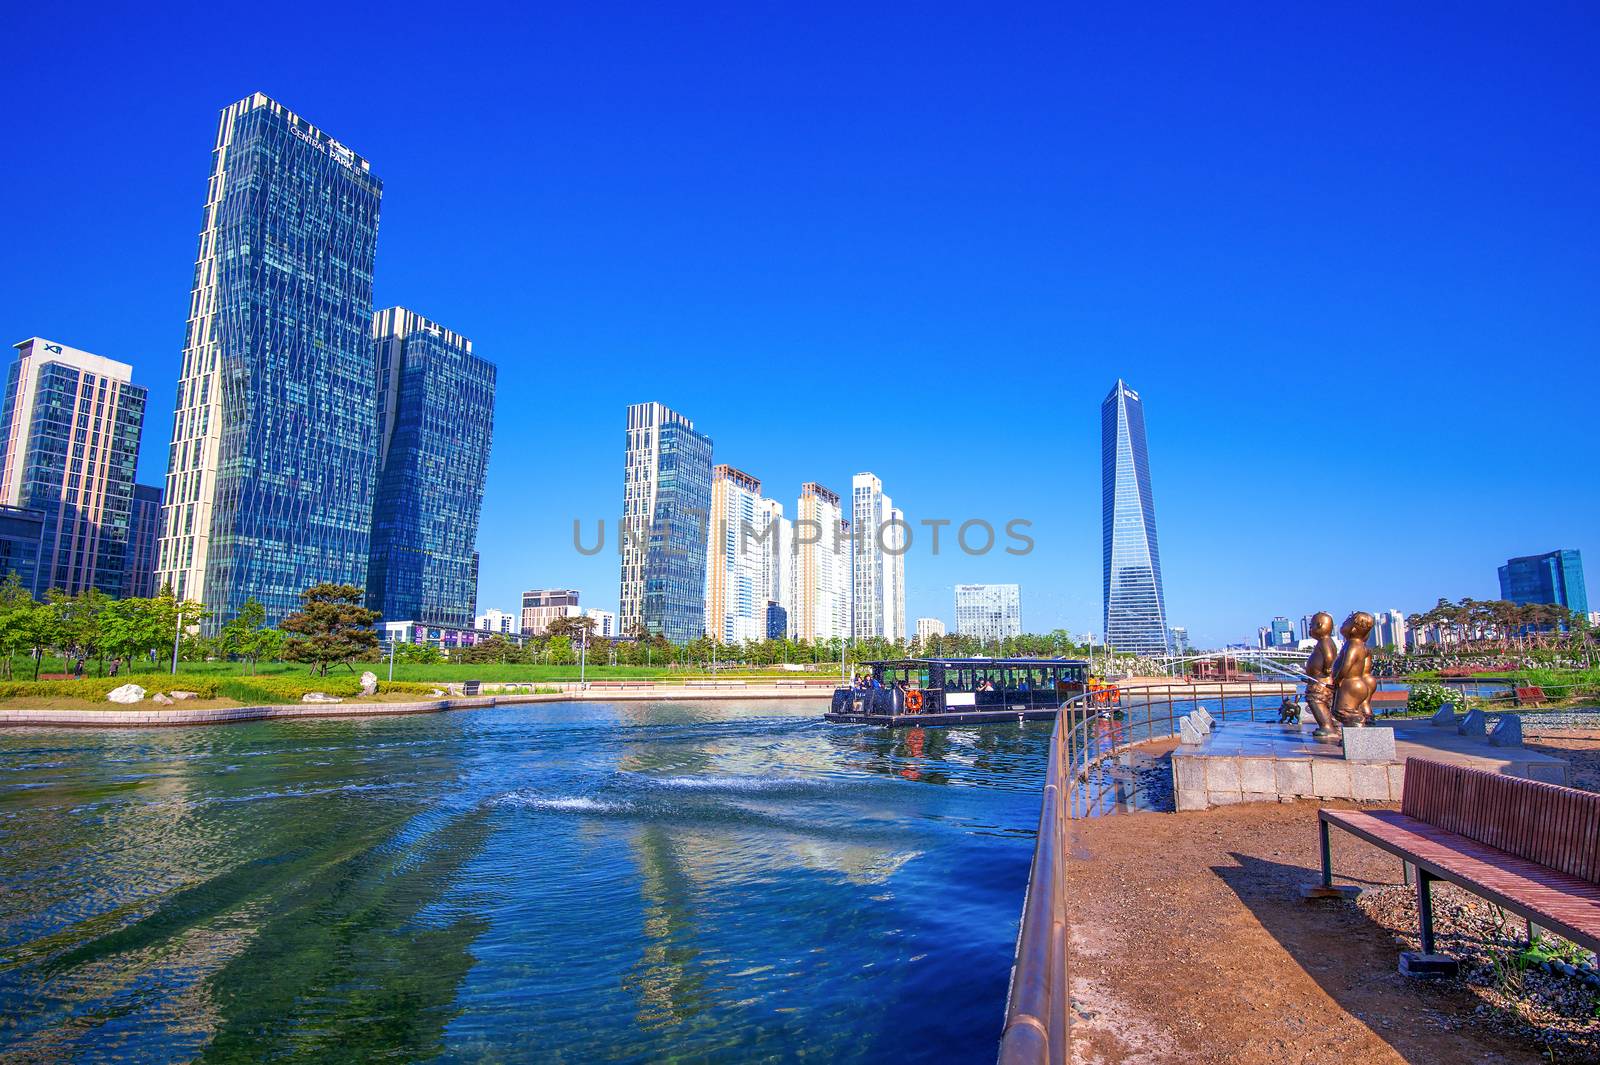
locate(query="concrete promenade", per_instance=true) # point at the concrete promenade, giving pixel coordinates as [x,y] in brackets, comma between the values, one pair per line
[148,715]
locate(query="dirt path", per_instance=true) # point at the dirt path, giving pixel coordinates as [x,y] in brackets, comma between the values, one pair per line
[1190,943]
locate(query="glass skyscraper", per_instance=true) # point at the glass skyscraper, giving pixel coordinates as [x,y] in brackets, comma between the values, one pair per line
[1553,577]
[435,411]
[274,444]
[69,442]
[1135,607]
[666,500]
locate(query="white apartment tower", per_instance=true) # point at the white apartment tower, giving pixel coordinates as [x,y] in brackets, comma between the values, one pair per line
[878,562]
[777,557]
[821,595]
[736,568]
[929,627]
[988,611]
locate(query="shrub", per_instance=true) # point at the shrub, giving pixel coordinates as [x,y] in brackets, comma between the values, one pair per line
[1427,698]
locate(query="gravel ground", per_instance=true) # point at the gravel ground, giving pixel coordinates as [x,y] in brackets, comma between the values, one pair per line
[1552,1005]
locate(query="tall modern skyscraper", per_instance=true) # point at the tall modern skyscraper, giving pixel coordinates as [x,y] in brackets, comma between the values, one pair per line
[69,443]
[821,593]
[144,538]
[1135,606]
[435,414]
[1553,577]
[736,590]
[878,562]
[989,611]
[274,444]
[666,499]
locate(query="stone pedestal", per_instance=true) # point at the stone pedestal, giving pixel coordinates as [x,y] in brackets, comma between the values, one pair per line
[1473,726]
[1445,716]
[1369,745]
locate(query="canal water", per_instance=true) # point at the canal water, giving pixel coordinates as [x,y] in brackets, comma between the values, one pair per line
[552,883]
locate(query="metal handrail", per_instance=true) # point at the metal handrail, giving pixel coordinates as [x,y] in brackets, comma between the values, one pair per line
[1038,1028]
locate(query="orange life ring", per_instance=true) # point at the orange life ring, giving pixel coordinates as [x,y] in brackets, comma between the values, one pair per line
[914,701]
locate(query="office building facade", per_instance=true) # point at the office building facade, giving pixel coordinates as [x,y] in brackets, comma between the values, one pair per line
[736,570]
[665,503]
[21,547]
[989,611]
[605,622]
[929,627]
[878,596]
[144,543]
[435,416]
[541,606]
[1553,577]
[69,445]
[1135,606]
[821,594]
[273,458]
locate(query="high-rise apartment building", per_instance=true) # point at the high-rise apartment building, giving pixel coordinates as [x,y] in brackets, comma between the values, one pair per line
[273,458]
[1388,629]
[144,540]
[1135,607]
[878,562]
[666,499]
[1553,577]
[541,606]
[505,622]
[69,444]
[435,417]
[736,567]
[1178,637]
[821,595]
[929,627]
[777,565]
[605,622]
[989,611]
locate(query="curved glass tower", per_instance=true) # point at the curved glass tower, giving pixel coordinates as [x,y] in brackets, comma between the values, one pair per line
[1135,607]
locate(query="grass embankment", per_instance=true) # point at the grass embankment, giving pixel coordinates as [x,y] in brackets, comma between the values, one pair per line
[419,673]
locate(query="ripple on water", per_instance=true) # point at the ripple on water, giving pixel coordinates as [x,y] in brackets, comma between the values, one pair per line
[577,881]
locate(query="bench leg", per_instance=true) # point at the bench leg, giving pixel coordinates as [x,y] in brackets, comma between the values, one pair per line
[1326,888]
[1405,873]
[1425,962]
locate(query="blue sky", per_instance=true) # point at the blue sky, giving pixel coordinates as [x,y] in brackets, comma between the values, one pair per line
[1350,258]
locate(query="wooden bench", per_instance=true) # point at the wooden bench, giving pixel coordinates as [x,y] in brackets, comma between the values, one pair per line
[1528,847]
[1531,696]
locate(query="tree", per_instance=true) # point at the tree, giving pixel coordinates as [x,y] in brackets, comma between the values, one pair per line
[331,627]
[15,607]
[80,616]
[248,637]
[130,628]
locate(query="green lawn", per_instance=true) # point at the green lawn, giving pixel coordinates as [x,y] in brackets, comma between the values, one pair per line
[22,669]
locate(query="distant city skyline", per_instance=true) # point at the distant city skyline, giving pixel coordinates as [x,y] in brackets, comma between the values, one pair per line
[631,268]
